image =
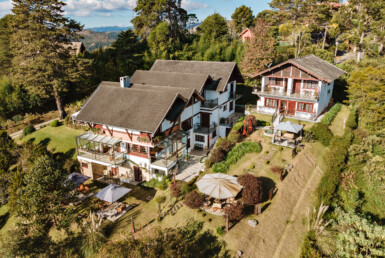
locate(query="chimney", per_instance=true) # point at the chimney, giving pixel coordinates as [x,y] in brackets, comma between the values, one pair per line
[125,82]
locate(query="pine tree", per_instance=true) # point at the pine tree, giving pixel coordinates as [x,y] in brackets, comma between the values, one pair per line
[243,18]
[40,46]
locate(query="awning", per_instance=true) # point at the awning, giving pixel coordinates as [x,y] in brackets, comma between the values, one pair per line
[289,127]
[219,186]
[112,193]
[77,178]
[99,138]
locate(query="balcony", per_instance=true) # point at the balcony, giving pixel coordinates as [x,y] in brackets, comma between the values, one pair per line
[204,130]
[271,92]
[211,103]
[234,96]
[169,150]
[100,148]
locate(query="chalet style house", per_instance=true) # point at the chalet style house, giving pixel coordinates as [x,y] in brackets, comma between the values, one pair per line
[143,125]
[300,88]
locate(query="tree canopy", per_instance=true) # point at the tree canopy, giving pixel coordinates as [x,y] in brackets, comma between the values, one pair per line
[242,18]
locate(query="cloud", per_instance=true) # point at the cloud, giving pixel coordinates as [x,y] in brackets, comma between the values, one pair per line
[190,5]
[5,7]
[84,8]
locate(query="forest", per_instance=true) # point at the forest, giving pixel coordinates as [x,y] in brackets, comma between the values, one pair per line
[39,74]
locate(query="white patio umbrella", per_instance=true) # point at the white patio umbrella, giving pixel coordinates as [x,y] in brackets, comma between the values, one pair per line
[112,193]
[219,186]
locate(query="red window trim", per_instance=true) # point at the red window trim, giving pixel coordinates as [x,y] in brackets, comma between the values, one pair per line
[272,99]
[283,82]
[305,110]
[288,77]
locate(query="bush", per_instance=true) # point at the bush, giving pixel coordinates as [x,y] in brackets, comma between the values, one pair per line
[208,163]
[252,192]
[352,119]
[267,162]
[234,137]
[175,189]
[280,148]
[322,133]
[55,123]
[186,188]
[221,231]
[225,146]
[220,167]
[68,120]
[194,200]
[237,127]
[28,130]
[234,211]
[328,118]
[276,170]
[216,155]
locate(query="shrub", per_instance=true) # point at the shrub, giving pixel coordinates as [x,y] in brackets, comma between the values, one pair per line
[238,126]
[28,130]
[351,122]
[266,162]
[68,120]
[252,192]
[220,167]
[175,189]
[328,118]
[186,188]
[276,170]
[55,123]
[252,166]
[322,133]
[225,146]
[280,148]
[240,150]
[221,231]
[234,211]
[234,137]
[216,155]
[194,200]
[208,163]
[266,152]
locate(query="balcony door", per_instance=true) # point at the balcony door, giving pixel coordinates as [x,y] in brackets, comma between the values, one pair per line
[205,119]
[291,108]
[297,86]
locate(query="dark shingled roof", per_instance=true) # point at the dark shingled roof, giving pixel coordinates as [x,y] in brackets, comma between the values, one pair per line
[186,93]
[142,110]
[221,71]
[172,79]
[315,66]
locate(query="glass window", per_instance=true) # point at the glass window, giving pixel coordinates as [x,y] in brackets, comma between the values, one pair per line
[186,125]
[310,84]
[305,107]
[271,103]
[276,81]
[231,106]
[199,138]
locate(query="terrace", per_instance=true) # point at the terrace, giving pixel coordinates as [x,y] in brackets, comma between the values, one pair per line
[99,147]
[198,128]
[274,92]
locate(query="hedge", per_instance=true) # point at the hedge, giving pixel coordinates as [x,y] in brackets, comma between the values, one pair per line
[236,154]
[352,119]
[322,133]
[55,123]
[28,130]
[329,116]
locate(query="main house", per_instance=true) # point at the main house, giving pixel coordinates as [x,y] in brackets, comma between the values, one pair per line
[142,126]
[300,88]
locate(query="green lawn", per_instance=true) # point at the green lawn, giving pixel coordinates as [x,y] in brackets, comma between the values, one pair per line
[59,139]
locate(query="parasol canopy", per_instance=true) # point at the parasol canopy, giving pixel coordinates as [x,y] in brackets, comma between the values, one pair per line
[219,186]
[112,193]
[289,127]
[77,178]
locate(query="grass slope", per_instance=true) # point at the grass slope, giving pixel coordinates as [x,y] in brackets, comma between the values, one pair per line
[58,139]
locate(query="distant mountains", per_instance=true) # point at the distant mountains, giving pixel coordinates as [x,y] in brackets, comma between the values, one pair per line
[108,28]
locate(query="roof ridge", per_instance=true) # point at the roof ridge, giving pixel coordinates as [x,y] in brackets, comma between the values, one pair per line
[195,61]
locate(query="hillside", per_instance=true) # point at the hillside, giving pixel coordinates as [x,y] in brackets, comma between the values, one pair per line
[92,39]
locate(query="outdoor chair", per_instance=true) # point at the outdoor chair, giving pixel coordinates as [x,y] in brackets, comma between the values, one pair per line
[217,207]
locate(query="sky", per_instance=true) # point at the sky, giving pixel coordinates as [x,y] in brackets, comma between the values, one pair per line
[99,13]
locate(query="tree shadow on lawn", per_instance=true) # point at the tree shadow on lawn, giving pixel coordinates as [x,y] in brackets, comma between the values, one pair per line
[3,219]
[144,194]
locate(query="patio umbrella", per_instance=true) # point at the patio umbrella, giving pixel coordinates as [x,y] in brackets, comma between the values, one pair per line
[77,178]
[219,186]
[289,127]
[112,193]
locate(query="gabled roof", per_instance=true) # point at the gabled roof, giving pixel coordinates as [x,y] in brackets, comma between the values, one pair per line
[185,92]
[129,108]
[171,79]
[313,65]
[244,31]
[218,71]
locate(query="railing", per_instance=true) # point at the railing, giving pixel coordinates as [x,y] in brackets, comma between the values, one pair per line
[113,159]
[274,116]
[233,95]
[211,103]
[204,130]
[272,92]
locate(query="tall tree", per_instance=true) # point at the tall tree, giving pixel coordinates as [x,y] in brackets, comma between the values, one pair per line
[151,12]
[252,192]
[242,18]
[214,26]
[5,53]
[7,146]
[40,46]
[40,199]
[260,52]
